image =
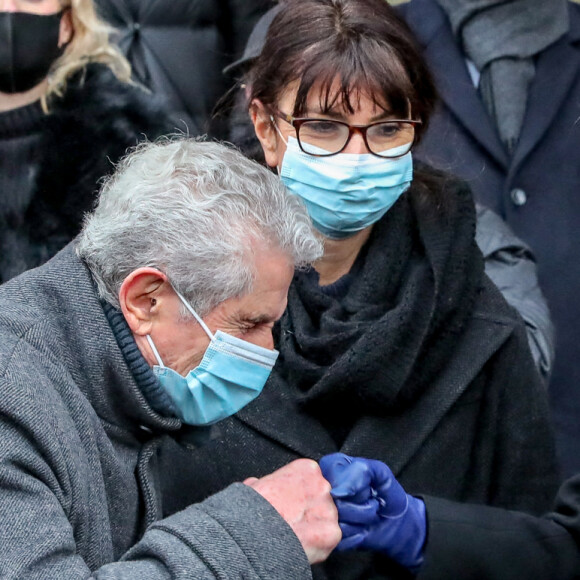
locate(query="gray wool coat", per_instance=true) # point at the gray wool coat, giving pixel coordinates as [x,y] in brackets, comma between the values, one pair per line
[79,492]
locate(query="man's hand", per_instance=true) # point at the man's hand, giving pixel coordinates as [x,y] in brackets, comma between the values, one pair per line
[302,497]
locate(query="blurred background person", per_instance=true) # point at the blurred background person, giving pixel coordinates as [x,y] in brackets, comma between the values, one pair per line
[68,112]
[508,73]
[396,344]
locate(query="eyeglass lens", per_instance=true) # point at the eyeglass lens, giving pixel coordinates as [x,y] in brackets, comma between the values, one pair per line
[332,136]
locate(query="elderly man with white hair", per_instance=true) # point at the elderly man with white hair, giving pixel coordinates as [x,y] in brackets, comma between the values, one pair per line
[153,324]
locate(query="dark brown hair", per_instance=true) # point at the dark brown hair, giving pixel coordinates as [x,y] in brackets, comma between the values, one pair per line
[363,44]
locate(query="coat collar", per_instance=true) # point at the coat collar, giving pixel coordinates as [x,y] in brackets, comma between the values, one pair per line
[557,68]
[276,417]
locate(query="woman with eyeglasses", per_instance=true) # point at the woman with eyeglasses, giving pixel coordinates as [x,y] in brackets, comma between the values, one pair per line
[395,346]
[68,112]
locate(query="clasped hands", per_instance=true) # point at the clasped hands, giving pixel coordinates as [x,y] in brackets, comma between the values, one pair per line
[374,512]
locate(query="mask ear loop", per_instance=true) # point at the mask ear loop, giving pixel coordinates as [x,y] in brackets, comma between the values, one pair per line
[195,315]
[155,351]
[278,130]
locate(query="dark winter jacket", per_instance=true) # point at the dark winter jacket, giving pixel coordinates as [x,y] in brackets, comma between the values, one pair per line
[477,430]
[79,466]
[73,147]
[177,48]
[511,266]
[536,190]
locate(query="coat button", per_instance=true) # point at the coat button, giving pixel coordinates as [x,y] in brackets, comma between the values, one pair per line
[519,196]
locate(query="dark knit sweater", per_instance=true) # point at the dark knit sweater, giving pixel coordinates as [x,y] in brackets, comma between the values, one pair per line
[20,151]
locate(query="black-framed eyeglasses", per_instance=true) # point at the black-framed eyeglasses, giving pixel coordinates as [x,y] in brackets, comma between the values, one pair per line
[324,137]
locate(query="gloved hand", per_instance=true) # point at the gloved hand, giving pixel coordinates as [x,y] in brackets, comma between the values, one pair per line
[374,512]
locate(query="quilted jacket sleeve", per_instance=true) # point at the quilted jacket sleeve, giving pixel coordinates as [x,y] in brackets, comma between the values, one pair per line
[510,264]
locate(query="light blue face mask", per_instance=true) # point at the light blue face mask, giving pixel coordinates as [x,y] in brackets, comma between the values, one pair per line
[231,374]
[345,193]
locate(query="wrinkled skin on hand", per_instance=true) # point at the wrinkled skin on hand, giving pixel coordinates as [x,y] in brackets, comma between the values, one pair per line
[374,511]
[301,495]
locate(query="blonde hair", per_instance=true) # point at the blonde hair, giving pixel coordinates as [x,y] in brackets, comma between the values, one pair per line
[89,43]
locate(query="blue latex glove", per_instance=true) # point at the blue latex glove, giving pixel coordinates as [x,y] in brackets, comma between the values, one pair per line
[374,512]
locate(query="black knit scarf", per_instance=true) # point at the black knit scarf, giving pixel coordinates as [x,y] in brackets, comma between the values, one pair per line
[377,347]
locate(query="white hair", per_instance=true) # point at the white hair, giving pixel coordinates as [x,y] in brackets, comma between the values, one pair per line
[194,210]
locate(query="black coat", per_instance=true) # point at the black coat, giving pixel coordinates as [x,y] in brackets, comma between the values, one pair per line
[482,543]
[537,191]
[86,131]
[178,48]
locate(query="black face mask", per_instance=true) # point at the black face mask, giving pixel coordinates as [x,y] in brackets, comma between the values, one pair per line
[28,47]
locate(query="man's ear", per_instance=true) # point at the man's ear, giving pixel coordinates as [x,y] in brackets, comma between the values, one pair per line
[265,131]
[140,296]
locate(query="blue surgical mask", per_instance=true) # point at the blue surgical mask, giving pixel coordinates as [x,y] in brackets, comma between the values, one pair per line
[345,193]
[231,374]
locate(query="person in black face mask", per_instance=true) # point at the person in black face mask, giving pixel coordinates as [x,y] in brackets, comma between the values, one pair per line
[30,45]
[68,111]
